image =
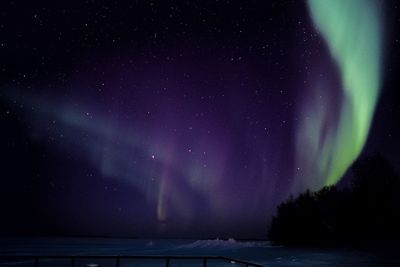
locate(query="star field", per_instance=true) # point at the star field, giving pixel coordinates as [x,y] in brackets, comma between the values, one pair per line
[175,118]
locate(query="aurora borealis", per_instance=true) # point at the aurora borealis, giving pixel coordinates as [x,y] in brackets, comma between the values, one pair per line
[183,119]
[353,34]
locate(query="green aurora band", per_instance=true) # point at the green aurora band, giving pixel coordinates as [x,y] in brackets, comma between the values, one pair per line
[352,31]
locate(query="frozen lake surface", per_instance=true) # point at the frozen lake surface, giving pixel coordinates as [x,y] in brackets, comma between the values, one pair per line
[253,251]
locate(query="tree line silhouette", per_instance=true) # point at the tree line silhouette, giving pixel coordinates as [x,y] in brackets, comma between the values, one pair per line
[366,213]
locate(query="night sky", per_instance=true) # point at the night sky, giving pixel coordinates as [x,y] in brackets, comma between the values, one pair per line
[187,118]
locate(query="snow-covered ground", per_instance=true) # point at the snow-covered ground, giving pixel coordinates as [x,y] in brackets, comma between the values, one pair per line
[254,251]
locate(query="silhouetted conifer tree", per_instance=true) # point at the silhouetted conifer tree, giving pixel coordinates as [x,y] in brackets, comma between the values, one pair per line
[364,214]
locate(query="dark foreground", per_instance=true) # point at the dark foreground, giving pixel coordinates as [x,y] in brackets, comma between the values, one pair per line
[256,252]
